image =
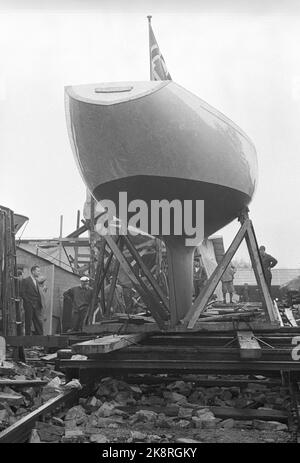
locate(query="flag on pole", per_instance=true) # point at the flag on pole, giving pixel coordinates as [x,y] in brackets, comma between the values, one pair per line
[158,68]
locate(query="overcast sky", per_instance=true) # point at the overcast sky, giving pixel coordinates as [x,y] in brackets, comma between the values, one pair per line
[242,58]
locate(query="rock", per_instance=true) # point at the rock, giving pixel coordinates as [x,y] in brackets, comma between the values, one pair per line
[171,410]
[4,416]
[269,440]
[137,390]
[227,424]
[92,404]
[197,422]
[123,397]
[57,421]
[181,386]
[105,422]
[98,438]
[74,435]
[147,415]
[55,383]
[29,393]
[203,411]
[34,437]
[70,433]
[245,424]
[136,435]
[185,412]
[77,414]
[183,440]
[153,438]
[106,410]
[74,384]
[49,432]
[153,400]
[269,425]
[183,424]
[163,421]
[174,397]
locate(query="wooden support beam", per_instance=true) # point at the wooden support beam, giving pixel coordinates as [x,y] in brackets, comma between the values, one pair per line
[246,231]
[204,296]
[149,298]
[135,254]
[290,317]
[258,271]
[38,340]
[249,346]
[106,344]
[114,280]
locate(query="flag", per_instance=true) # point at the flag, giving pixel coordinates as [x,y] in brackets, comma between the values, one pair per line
[159,69]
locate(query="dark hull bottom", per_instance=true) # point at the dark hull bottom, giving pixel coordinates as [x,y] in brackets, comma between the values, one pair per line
[220,207]
[220,203]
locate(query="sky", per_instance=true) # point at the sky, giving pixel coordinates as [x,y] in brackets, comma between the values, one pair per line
[241,57]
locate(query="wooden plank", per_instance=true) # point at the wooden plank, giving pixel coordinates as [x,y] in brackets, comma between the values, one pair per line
[200,303]
[226,317]
[22,382]
[249,346]
[289,315]
[38,340]
[14,399]
[117,327]
[49,357]
[106,344]
[249,414]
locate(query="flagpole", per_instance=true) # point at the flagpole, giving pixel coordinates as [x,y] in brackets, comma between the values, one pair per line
[149,24]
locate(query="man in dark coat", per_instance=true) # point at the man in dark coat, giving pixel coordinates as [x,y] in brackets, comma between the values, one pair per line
[32,302]
[268,262]
[81,297]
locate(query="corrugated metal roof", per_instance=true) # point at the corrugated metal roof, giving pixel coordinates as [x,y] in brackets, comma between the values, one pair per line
[280,276]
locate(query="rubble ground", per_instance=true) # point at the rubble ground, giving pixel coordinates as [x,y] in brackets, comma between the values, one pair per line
[168,412]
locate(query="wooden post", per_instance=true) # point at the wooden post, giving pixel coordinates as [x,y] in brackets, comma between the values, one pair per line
[135,254]
[92,240]
[76,247]
[204,296]
[113,283]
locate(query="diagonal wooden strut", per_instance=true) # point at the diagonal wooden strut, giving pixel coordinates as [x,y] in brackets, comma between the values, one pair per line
[246,231]
[153,303]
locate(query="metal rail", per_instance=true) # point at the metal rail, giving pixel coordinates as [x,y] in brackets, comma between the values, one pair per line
[20,431]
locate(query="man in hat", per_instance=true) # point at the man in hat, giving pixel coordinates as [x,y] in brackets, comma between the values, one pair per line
[80,297]
[268,262]
[227,282]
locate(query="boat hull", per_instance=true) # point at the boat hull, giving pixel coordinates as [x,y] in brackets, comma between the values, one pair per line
[157,141]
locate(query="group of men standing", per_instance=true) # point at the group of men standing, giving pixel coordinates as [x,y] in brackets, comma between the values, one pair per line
[31,293]
[81,296]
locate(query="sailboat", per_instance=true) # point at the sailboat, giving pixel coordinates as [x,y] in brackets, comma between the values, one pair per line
[155,140]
